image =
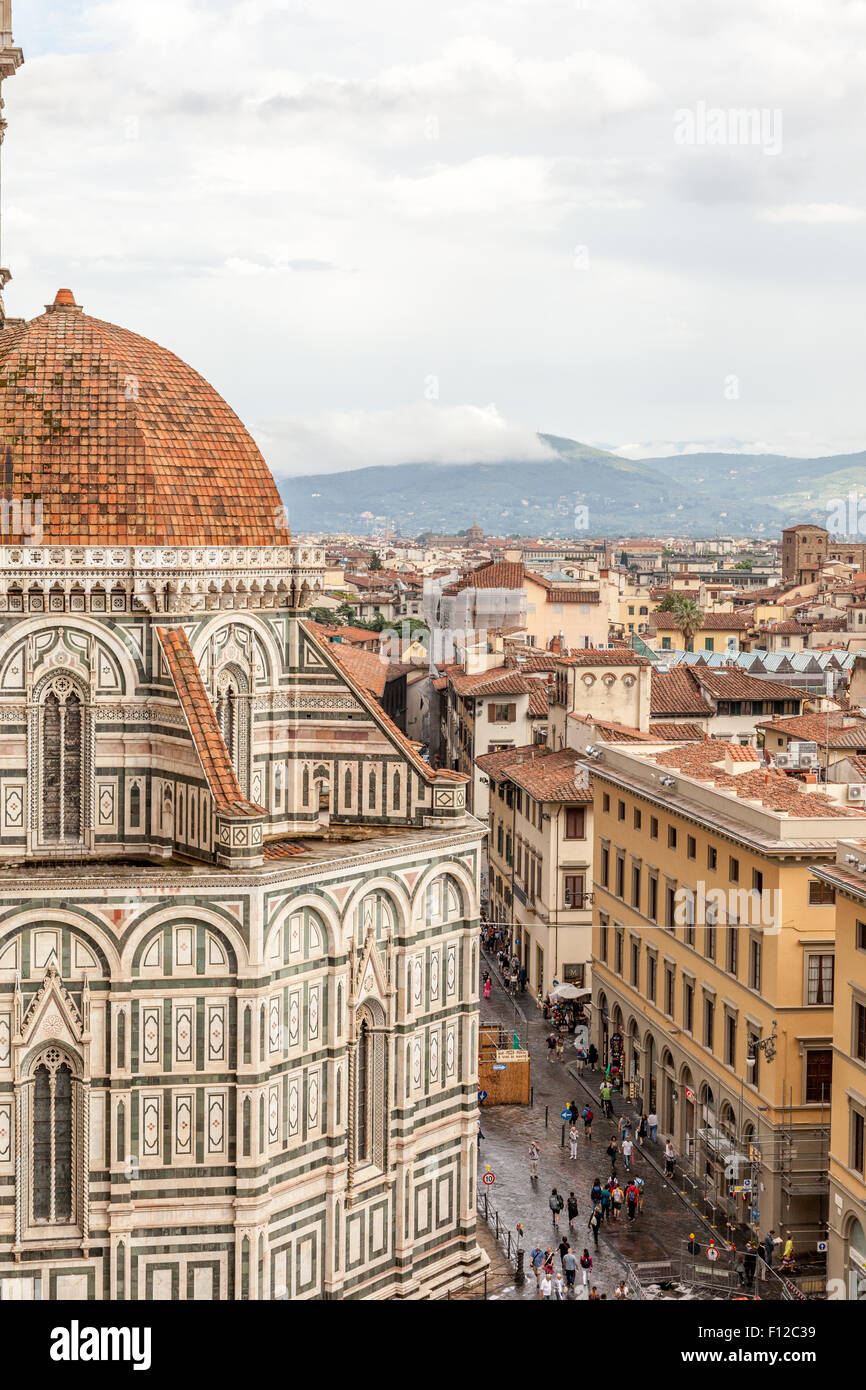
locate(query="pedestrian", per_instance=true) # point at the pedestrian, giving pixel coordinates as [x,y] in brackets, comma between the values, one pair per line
[587,1123]
[487,988]
[523,978]
[638,1182]
[740,1267]
[546,1287]
[616,1201]
[560,1048]
[652,1123]
[556,1204]
[624,1127]
[536,1262]
[592,1055]
[627,1151]
[594,1223]
[670,1157]
[573,1111]
[551,1047]
[605,1203]
[572,1141]
[581,1060]
[605,1093]
[642,1130]
[586,1265]
[749,1262]
[594,1294]
[563,1248]
[612,1150]
[569,1264]
[533,1161]
[631,1198]
[571,1209]
[769,1246]
[621,1290]
[595,1192]
[558,1288]
[548,1261]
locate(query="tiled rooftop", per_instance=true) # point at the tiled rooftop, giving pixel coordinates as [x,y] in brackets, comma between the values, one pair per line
[546,775]
[124,443]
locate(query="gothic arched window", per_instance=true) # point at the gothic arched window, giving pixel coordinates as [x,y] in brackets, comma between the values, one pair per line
[363,1118]
[60,748]
[54,1117]
[233,717]
[370,1119]
[347,790]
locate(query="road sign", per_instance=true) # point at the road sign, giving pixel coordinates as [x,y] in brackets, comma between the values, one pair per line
[735,1190]
[822,1247]
[482,1096]
[565,1114]
[747,1184]
[488,1179]
[712,1253]
[499,1066]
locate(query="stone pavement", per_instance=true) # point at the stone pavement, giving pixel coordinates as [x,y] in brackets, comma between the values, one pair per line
[666,1220]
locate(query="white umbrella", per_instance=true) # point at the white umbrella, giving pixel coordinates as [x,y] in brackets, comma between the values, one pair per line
[566,992]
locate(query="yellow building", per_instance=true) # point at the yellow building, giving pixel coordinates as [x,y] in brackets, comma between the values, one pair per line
[719,632]
[540,860]
[712,967]
[846,1256]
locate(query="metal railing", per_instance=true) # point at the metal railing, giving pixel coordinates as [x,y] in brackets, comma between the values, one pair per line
[508,1241]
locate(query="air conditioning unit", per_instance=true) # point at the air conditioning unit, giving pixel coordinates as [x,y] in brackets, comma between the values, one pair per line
[784,760]
[857,791]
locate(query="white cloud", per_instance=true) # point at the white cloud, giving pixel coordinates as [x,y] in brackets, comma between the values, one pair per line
[419,433]
[811,212]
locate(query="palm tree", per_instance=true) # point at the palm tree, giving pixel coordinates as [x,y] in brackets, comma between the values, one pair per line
[688,617]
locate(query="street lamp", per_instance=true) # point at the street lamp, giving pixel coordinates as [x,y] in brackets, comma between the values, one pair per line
[765,1045]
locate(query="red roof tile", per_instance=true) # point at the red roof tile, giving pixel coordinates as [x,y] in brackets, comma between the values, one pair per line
[202,723]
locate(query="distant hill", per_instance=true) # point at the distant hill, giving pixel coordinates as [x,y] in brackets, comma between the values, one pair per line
[687,494]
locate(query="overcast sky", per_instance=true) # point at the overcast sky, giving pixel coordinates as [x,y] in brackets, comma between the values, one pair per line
[390,231]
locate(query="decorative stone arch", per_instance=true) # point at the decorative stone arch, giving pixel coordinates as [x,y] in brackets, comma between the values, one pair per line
[390,887]
[127,657]
[327,913]
[259,630]
[461,876]
[155,920]
[95,937]
[650,1050]
[369,1086]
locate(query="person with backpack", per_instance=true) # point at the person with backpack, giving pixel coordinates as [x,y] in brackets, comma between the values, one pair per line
[556,1204]
[536,1263]
[616,1201]
[551,1046]
[595,1192]
[586,1266]
[631,1198]
[587,1123]
[571,1209]
[605,1203]
[581,1060]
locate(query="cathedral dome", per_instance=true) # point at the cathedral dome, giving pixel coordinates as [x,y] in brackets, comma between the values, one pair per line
[122,442]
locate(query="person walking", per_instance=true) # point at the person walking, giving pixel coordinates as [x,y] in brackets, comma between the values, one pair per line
[586,1266]
[572,1141]
[605,1203]
[556,1204]
[487,988]
[616,1201]
[523,978]
[627,1151]
[612,1150]
[571,1210]
[563,1248]
[750,1260]
[595,1192]
[652,1124]
[670,1157]
[592,1055]
[533,1161]
[642,1130]
[546,1287]
[569,1264]
[551,1047]
[769,1247]
[639,1184]
[558,1288]
[594,1222]
[536,1263]
[624,1127]
[573,1112]
[587,1123]
[581,1060]
[560,1048]
[606,1105]
[631,1196]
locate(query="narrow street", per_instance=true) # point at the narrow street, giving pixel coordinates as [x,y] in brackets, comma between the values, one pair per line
[666,1220]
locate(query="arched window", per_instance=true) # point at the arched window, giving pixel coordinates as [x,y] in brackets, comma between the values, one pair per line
[121,1039]
[54,1118]
[247,1124]
[233,716]
[135,807]
[363,1118]
[396,791]
[339,1095]
[262,1033]
[305,787]
[60,748]
[371,788]
[248,1035]
[347,790]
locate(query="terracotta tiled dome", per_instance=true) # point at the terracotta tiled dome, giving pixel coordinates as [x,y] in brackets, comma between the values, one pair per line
[123,442]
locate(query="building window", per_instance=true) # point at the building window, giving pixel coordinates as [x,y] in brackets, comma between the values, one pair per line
[617,946]
[688,1005]
[859,1047]
[733,869]
[672,837]
[691,847]
[669,991]
[620,876]
[671,913]
[635,963]
[637,818]
[709,1022]
[858,1149]
[620,810]
[575,823]
[605,865]
[602,942]
[819,1073]
[56,1133]
[820,894]
[712,856]
[733,952]
[61,747]
[654,828]
[233,709]
[730,1040]
[651,974]
[635,885]
[755,952]
[757,881]
[362,1113]
[370,1101]
[574,891]
[653,902]
[605,801]
[819,987]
